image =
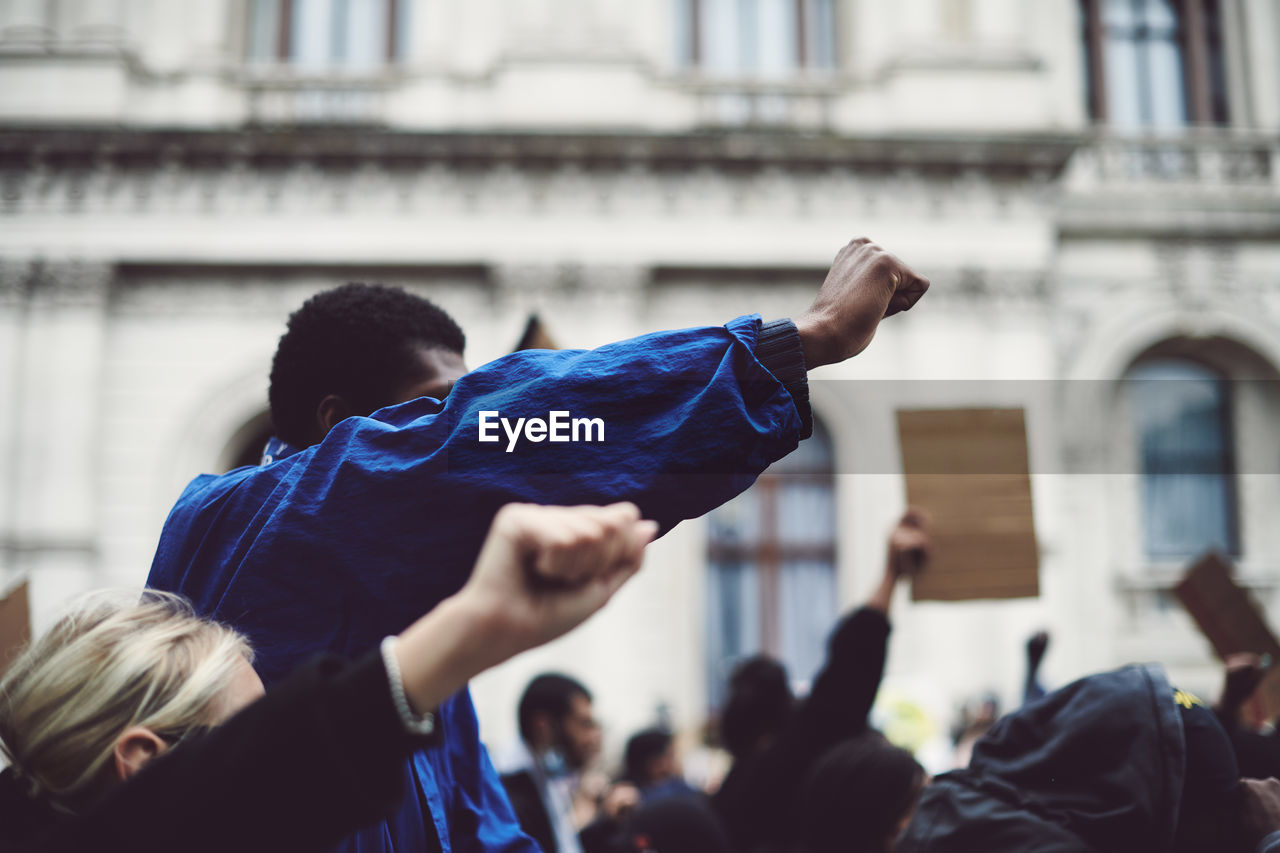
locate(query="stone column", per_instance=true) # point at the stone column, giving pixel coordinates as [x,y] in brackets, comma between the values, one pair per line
[52,391]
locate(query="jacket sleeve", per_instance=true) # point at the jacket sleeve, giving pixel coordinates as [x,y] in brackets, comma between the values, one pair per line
[677,421]
[843,693]
[686,419]
[318,757]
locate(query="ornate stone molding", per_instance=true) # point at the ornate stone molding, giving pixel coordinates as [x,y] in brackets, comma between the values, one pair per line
[1006,155]
[740,175]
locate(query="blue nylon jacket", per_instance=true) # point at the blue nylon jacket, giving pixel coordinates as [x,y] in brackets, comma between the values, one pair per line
[333,547]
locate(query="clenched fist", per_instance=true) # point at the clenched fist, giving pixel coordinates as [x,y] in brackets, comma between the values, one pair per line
[865,285]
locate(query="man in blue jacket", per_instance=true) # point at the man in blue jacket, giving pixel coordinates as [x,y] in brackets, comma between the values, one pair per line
[392,459]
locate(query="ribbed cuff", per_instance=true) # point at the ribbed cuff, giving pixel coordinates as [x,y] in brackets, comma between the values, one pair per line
[778,349]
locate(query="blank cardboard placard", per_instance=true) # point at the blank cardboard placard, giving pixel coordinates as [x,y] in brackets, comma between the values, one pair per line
[15,625]
[1229,618]
[967,468]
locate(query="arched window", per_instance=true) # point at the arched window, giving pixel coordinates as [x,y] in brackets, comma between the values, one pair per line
[1182,414]
[771,568]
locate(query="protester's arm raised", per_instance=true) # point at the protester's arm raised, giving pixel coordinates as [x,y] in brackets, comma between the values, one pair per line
[541,572]
[909,551]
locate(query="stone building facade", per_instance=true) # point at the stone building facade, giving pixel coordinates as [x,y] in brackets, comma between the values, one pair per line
[1092,185]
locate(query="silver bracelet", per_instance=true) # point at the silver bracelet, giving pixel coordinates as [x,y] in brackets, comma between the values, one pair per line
[413,724]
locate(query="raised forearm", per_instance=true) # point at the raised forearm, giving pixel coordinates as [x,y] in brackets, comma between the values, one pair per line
[444,650]
[882,598]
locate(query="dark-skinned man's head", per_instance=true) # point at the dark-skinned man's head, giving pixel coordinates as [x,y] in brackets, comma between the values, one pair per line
[356,349]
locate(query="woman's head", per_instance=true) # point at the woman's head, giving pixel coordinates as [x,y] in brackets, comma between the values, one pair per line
[114,683]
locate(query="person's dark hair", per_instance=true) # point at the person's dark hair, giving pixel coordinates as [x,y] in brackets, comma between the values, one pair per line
[673,825]
[759,705]
[642,748]
[550,693]
[856,795]
[355,341]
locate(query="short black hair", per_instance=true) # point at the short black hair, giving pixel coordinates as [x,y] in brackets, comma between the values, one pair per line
[643,747]
[550,693]
[355,341]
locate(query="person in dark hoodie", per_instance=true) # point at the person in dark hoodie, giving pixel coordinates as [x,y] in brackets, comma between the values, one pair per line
[1113,763]
[756,799]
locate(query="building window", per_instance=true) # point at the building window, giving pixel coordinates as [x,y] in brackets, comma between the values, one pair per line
[771,569]
[327,35]
[757,39]
[1154,64]
[1181,410]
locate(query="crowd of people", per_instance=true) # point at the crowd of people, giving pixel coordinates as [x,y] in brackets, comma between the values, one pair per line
[295,676]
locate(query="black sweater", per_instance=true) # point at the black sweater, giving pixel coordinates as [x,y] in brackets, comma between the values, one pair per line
[318,757]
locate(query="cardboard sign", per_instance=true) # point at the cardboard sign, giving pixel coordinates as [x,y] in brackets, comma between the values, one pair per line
[1230,619]
[968,469]
[15,625]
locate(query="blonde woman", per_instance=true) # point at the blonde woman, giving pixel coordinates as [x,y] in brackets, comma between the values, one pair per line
[139,726]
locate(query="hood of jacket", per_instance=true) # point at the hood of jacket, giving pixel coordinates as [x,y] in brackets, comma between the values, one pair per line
[1095,766]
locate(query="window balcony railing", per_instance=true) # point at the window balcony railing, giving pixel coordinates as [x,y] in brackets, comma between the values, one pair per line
[795,103]
[317,99]
[1199,160]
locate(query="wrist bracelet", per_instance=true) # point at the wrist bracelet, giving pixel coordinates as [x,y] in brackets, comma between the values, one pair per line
[413,724]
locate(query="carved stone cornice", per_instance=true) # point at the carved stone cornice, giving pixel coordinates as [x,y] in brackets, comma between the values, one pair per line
[188,173]
[1010,156]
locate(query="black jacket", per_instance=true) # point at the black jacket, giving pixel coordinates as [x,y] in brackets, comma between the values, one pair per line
[1096,766]
[529,808]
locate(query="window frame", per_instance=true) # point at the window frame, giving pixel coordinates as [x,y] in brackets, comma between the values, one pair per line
[770,551]
[694,58]
[1200,38]
[1227,462]
[281,56]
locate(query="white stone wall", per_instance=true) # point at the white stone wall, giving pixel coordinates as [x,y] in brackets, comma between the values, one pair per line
[145,275]
[571,64]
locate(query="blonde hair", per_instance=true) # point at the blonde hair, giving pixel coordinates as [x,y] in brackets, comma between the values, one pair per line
[109,664]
